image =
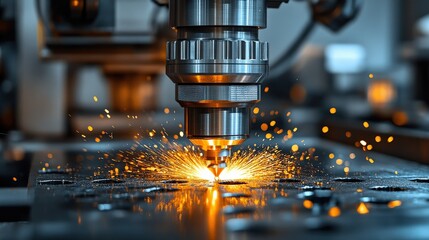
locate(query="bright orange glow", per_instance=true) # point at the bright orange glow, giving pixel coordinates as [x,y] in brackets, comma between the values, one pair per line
[339,161]
[166,110]
[97,139]
[307,204]
[348,134]
[362,208]
[90,128]
[332,110]
[272,123]
[266,89]
[365,124]
[346,169]
[264,127]
[394,203]
[331,156]
[75,3]
[390,139]
[334,212]
[381,93]
[256,110]
[173,161]
[294,148]
[377,139]
[325,129]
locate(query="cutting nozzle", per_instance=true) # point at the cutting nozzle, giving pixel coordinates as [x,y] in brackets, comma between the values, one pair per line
[216,160]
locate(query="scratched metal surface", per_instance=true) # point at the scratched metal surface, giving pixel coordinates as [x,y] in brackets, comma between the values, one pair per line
[79,205]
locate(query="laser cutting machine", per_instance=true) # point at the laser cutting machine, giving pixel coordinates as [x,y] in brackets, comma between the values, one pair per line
[324,110]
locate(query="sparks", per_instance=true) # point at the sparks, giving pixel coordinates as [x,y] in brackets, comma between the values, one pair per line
[174,161]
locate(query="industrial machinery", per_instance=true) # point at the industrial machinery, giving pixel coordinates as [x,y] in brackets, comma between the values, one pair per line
[218,63]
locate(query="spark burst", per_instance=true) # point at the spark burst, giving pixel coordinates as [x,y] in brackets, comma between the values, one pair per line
[174,161]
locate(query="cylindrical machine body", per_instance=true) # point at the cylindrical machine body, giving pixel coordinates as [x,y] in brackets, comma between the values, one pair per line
[217,64]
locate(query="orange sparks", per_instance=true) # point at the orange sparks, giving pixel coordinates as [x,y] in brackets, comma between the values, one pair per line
[362,209]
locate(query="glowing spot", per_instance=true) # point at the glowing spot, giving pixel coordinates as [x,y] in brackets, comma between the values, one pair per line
[365,124]
[90,128]
[362,208]
[334,212]
[339,161]
[371,75]
[256,110]
[369,147]
[371,160]
[331,156]
[362,142]
[390,139]
[266,89]
[332,110]
[400,118]
[75,3]
[108,115]
[352,156]
[396,172]
[294,148]
[359,190]
[181,134]
[288,114]
[295,129]
[346,169]
[325,129]
[106,110]
[97,139]
[264,127]
[377,139]
[95,98]
[348,134]
[307,204]
[166,110]
[394,203]
[272,123]
[176,136]
[14,179]
[151,133]
[268,136]
[50,155]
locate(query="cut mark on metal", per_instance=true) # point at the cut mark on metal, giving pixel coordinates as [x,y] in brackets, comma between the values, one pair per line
[232,182]
[389,188]
[347,179]
[287,180]
[420,180]
[56,182]
[235,195]
[107,181]
[175,181]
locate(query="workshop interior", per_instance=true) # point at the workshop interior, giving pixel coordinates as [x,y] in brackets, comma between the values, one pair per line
[214,119]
